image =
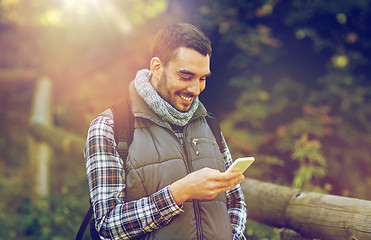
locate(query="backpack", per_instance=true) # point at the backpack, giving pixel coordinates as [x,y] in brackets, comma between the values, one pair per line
[123,134]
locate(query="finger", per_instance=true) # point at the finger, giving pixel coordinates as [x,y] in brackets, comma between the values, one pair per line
[230,175]
[234,183]
[227,187]
[227,184]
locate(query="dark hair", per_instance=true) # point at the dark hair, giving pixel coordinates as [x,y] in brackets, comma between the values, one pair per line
[178,35]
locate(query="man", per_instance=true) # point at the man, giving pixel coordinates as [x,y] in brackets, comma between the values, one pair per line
[172,184]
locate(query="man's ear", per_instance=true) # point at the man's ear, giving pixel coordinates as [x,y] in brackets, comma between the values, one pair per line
[156,67]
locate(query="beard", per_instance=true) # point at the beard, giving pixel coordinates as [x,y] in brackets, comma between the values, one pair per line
[173,98]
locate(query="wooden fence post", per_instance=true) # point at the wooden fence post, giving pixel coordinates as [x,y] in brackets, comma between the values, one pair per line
[39,151]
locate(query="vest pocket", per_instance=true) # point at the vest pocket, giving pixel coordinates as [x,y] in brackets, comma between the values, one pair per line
[196,144]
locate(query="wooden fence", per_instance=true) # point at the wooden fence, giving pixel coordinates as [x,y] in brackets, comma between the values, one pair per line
[313,215]
[300,215]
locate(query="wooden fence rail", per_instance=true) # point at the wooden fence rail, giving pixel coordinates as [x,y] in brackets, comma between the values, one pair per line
[310,215]
[60,139]
[313,215]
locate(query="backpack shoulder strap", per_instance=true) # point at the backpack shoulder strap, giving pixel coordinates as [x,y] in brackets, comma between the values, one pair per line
[123,126]
[84,223]
[214,125]
[123,130]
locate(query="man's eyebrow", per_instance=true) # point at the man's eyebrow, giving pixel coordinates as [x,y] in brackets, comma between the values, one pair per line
[186,72]
[191,73]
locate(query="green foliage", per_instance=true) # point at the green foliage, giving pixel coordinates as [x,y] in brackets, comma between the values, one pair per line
[62,213]
[257,231]
[312,162]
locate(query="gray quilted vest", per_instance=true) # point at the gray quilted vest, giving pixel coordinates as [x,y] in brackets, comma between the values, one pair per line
[157,158]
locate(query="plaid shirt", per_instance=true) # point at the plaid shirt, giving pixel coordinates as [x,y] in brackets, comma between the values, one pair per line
[118,219]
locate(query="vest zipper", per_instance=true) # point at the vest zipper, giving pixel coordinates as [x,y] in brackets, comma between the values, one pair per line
[195,202]
[189,168]
[184,150]
[198,219]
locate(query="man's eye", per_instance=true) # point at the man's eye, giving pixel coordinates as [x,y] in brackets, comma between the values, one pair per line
[203,79]
[186,77]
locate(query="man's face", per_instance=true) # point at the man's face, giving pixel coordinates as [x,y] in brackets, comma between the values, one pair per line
[184,78]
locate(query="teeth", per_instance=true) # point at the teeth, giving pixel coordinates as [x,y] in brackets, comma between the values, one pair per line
[186,98]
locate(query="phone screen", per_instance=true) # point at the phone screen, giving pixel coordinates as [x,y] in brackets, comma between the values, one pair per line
[241,164]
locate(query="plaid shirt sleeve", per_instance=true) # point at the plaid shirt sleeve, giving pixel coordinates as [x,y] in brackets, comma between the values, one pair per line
[235,203]
[116,218]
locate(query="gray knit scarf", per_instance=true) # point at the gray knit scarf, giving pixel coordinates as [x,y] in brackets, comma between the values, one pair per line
[159,105]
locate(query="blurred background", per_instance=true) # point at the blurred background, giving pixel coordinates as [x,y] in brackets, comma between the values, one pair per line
[290,83]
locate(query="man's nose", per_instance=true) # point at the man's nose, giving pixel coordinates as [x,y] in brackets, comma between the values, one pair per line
[194,88]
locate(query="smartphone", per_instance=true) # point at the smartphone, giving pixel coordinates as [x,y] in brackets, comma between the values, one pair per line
[241,164]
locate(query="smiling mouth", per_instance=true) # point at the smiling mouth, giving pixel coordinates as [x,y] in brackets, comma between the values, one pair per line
[186,98]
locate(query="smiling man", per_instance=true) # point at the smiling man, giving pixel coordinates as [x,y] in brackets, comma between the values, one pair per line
[173,183]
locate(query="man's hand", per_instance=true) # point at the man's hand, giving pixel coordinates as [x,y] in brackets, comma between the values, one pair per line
[204,184]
